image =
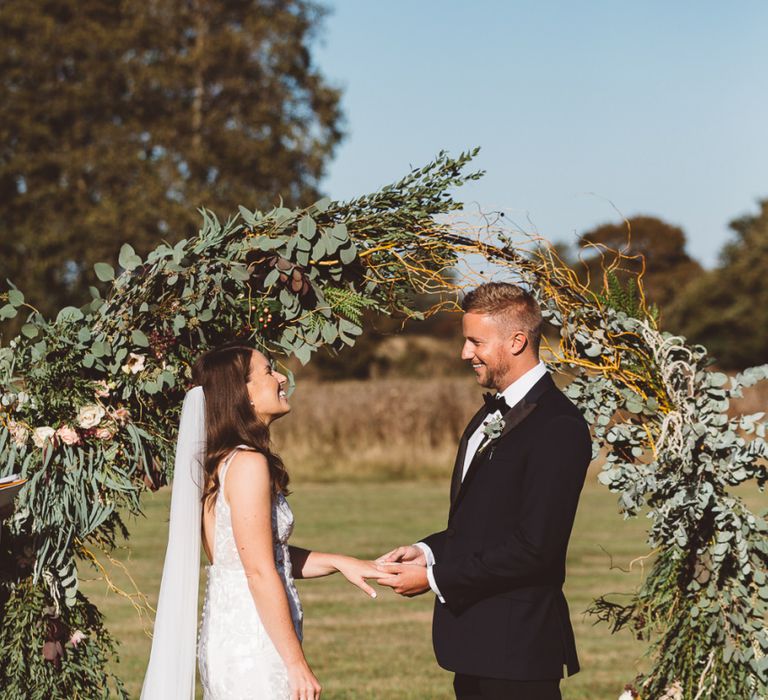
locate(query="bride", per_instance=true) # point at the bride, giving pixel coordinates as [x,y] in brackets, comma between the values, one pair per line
[228,481]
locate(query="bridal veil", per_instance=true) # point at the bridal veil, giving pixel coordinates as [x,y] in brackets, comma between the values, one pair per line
[171,671]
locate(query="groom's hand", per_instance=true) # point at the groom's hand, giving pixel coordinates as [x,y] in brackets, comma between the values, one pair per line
[406,579]
[408,554]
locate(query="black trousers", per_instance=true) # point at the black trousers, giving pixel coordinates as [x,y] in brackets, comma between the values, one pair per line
[479,688]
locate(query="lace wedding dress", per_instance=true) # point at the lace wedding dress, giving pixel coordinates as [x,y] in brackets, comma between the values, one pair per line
[236,657]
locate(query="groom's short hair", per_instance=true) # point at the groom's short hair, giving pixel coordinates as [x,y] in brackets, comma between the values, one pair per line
[514,306]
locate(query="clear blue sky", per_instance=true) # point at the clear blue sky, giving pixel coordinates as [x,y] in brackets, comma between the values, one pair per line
[658,107]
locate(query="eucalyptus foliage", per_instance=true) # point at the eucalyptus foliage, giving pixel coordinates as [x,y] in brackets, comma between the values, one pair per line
[673,451]
[89,400]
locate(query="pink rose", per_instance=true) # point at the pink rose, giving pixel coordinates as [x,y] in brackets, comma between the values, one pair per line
[102,389]
[103,433]
[121,415]
[77,637]
[67,435]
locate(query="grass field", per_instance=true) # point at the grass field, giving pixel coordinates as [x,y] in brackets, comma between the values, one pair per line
[381,649]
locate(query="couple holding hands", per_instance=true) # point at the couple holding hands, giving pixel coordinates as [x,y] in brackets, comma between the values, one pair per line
[501,622]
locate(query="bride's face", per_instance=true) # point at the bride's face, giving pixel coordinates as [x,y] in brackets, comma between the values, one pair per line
[266,389]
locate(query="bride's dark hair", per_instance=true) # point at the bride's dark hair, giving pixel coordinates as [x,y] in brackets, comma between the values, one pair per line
[229,417]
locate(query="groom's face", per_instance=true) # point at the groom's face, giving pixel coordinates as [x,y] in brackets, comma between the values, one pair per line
[489,349]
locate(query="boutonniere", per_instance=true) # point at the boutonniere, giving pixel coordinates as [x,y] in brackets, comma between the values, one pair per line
[492,430]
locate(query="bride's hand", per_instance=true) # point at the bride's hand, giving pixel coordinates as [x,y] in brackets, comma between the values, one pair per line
[303,684]
[408,554]
[356,571]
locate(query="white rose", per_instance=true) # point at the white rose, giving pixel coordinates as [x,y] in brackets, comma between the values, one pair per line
[134,364]
[90,416]
[42,435]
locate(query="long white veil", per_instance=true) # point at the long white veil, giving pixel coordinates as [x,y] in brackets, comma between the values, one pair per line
[171,671]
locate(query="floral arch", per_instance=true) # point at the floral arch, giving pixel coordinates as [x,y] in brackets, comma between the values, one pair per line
[89,402]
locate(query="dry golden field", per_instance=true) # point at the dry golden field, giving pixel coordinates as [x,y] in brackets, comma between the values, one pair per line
[391,428]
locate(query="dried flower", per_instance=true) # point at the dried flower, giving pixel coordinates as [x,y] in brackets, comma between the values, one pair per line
[68,435]
[90,416]
[135,363]
[42,435]
[19,433]
[673,692]
[103,433]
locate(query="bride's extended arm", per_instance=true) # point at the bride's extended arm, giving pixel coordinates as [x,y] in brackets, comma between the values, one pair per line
[309,564]
[249,493]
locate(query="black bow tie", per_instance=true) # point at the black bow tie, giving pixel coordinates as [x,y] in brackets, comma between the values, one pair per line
[495,403]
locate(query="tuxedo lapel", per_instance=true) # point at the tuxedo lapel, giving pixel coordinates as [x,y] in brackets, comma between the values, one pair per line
[512,418]
[458,467]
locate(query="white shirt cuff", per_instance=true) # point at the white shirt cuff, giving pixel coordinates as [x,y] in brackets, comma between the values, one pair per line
[428,554]
[430,557]
[433,585]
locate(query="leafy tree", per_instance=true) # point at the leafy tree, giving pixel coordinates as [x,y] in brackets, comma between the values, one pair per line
[668,267]
[119,117]
[726,309]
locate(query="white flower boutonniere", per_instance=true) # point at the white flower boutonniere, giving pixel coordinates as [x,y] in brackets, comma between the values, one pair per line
[492,430]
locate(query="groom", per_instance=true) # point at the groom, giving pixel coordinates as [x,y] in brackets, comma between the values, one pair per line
[501,622]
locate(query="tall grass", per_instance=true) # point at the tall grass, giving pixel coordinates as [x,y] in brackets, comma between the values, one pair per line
[392,428]
[375,429]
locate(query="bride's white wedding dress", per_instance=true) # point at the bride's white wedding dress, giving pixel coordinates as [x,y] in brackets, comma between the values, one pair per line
[237,659]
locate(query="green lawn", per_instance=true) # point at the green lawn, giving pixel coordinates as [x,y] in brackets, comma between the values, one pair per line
[361,648]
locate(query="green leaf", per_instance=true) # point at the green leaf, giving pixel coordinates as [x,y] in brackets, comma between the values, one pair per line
[205,315]
[339,232]
[15,297]
[329,333]
[322,204]
[30,330]
[99,349]
[240,272]
[139,339]
[303,352]
[271,278]
[128,259]
[69,313]
[266,243]
[104,272]
[7,311]
[348,327]
[318,251]
[307,227]
[88,360]
[248,216]
[179,322]
[347,254]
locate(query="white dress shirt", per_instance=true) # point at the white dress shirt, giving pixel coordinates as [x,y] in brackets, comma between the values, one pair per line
[513,394]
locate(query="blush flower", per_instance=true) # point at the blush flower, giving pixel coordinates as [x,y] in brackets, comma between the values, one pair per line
[19,433]
[103,433]
[135,363]
[121,415]
[42,435]
[77,637]
[102,389]
[90,416]
[68,435]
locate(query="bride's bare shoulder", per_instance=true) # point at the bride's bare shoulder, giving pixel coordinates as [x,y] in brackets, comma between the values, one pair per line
[247,468]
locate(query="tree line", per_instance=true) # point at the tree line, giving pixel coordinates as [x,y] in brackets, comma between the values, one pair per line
[118,117]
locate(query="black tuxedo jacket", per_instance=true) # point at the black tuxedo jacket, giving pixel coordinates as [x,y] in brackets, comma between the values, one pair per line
[500,563]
